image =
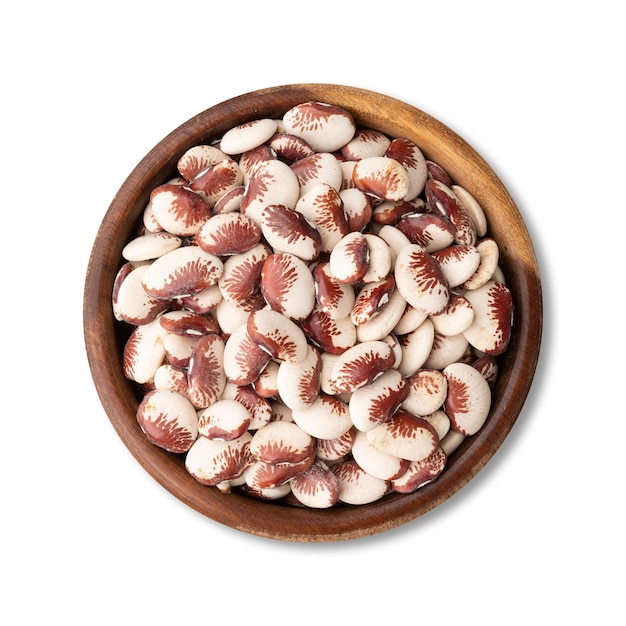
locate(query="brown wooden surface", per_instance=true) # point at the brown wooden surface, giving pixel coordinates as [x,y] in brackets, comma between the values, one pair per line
[104,338]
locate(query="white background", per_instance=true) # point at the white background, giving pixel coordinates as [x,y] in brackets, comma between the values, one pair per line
[88,89]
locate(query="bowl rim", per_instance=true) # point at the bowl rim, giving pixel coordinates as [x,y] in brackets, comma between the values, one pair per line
[271,519]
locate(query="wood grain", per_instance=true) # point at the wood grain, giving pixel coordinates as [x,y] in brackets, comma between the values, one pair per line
[104,338]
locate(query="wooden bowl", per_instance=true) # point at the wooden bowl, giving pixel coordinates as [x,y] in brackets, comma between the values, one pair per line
[104,337]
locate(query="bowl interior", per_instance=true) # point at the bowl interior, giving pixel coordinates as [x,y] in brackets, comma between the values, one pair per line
[104,337]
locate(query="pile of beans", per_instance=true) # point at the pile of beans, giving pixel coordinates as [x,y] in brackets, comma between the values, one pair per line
[317,310]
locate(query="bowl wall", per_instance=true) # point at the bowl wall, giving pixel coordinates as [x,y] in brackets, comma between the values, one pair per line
[104,337]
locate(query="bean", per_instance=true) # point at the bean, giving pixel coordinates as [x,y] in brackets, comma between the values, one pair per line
[316,312]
